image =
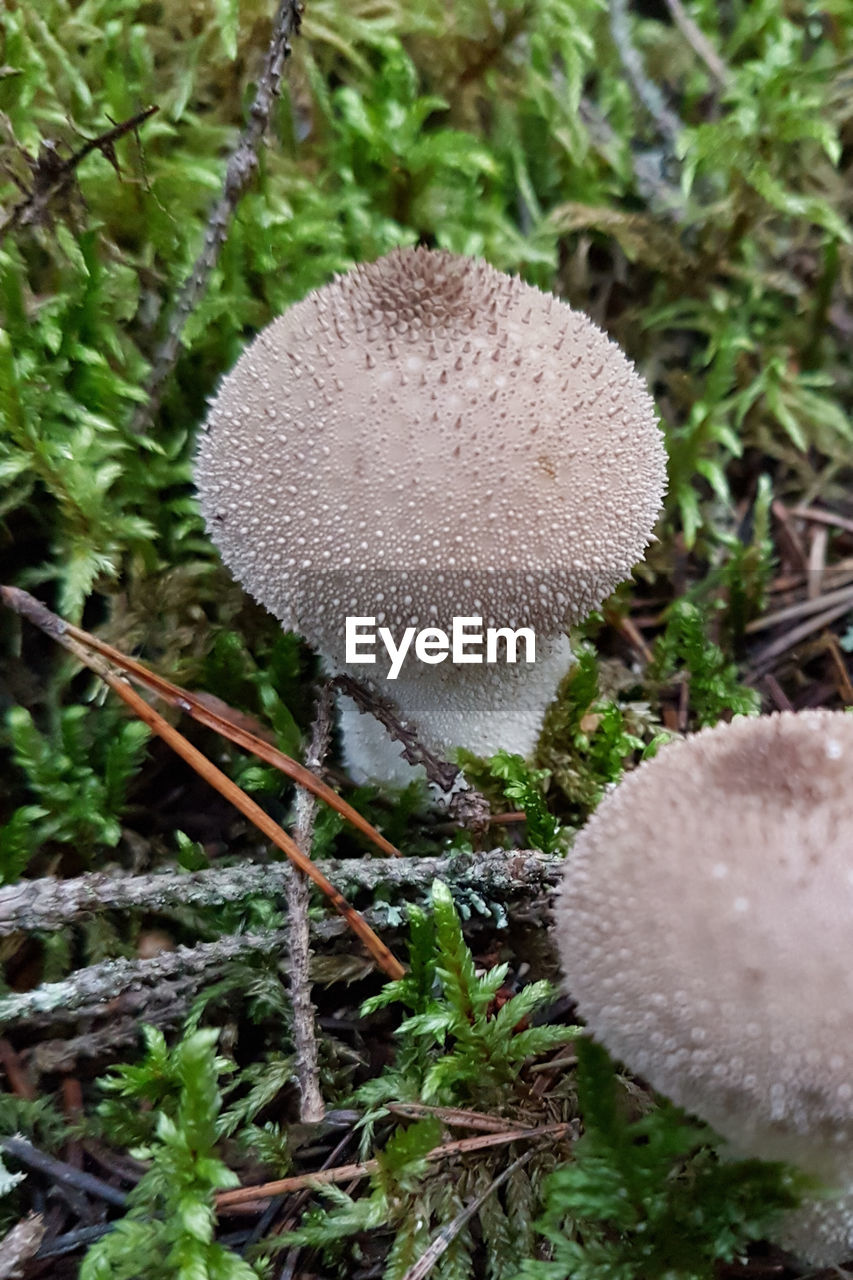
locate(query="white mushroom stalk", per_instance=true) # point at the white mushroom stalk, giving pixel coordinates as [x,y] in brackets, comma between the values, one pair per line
[425,439]
[705,932]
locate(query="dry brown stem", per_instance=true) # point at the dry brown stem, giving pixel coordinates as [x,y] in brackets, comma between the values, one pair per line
[58,630]
[239,172]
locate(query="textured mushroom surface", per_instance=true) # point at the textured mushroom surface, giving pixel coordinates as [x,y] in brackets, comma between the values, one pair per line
[706,932]
[423,438]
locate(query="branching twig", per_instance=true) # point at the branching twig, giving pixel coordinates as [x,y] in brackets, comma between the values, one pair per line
[53,176]
[58,630]
[311,1107]
[515,881]
[238,174]
[501,875]
[86,992]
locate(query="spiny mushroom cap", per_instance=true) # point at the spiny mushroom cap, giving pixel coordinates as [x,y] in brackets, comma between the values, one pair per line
[426,437]
[705,931]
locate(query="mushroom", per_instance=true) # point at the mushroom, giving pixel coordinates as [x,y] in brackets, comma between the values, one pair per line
[423,439]
[705,927]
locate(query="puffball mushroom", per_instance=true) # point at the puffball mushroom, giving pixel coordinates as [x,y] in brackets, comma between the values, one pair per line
[427,438]
[705,928]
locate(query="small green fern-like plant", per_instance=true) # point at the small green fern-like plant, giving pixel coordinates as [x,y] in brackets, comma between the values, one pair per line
[78,776]
[648,1199]
[685,647]
[524,787]
[589,738]
[168,1232]
[457,1048]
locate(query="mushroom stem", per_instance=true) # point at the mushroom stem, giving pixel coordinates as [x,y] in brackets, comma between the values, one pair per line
[482,708]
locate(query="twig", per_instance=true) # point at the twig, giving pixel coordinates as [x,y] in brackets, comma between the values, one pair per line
[61,1172]
[501,875]
[792,638]
[818,542]
[802,609]
[778,694]
[16,1073]
[668,124]
[240,170]
[699,42]
[306,1059]
[442,1242]
[50,1056]
[20,1244]
[822,517]
[468,807]
[846,686]
[87,990]
[194,705]
[152,988]
[441,773]
[53,176]
[55,627]
[451,1116]
[350,1172]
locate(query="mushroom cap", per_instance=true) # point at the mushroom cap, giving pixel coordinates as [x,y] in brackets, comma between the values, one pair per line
[704,927]
[426,437]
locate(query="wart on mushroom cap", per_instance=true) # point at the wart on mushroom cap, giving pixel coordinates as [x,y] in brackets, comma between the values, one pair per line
[704,927]
[423,438]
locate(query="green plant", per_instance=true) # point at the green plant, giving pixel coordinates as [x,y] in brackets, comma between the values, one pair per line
[169,1227]
[460,1046]
[78,776]
[588,738]
[523,786]
[685,650]
[647,1198]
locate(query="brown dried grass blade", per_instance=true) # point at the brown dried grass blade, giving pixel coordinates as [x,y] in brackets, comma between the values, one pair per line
[27,606]
[196,707]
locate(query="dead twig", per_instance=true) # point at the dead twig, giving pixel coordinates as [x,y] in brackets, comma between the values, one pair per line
[442,1242]
[239,172]
[59,1171]
[306,1059]
[822,517]
[441,773]
[58,630]
[52,176]
[795,636]
[802,609]
[501,875]
[451,1116]
[241,1196]
[699,43]
[20,1244]
[89,992]
[645,90]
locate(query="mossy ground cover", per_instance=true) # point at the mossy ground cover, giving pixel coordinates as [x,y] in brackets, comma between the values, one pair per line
[681,173]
